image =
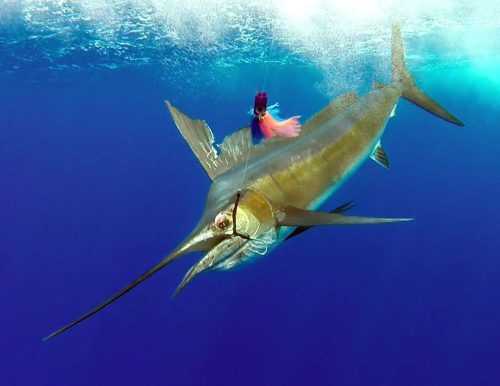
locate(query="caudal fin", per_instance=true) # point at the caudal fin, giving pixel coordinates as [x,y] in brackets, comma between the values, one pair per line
[411,92]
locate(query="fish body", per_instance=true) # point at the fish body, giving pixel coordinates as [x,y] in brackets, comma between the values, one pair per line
[304,172]
[263,194]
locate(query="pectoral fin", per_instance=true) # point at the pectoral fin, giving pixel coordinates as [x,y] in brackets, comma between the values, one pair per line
[340,209]
[296,217]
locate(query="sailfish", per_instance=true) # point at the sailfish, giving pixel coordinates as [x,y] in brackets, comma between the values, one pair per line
[263,194]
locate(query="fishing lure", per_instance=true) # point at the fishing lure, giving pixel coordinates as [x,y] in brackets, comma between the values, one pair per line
[266,124]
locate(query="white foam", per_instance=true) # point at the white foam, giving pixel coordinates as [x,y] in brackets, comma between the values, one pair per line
[333,35]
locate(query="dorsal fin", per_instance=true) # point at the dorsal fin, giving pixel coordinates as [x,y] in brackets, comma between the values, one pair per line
[234,149]
[379,156]
[199,138]
[237,147]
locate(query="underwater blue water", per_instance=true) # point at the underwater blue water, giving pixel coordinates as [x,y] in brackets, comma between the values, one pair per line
[97,185]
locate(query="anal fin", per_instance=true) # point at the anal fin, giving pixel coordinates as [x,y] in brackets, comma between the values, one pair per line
[379,155]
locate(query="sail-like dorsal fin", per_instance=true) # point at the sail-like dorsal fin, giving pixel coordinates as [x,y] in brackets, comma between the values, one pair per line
[199,138]
[237,147]
[234,149]
[379,156]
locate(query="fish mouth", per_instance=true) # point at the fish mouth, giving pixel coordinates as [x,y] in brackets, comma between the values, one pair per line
[223,256]
[231,251]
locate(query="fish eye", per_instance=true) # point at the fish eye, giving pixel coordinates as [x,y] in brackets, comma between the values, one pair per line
[221,221]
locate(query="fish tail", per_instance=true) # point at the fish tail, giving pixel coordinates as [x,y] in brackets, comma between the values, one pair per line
[410,91]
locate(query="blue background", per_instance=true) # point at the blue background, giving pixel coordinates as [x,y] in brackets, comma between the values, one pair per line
[97,185]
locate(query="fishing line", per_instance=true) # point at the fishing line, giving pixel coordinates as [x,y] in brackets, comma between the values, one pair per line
[252,240]
[246,166]
[256,251]
[268,66]
[264,83]
[250,147]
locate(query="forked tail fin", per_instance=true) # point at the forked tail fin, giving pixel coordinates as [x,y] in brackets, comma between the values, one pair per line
[411,92]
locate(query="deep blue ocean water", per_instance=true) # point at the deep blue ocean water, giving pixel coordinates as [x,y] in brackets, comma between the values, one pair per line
[97,185]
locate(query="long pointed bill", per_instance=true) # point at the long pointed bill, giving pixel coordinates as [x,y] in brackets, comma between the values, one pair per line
[194,243]
[146,275]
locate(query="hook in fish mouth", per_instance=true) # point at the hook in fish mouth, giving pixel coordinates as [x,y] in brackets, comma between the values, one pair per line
[233,249]
[227,254]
